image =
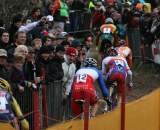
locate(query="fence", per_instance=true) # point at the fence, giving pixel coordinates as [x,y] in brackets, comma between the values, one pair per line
[25,100]
[43,107]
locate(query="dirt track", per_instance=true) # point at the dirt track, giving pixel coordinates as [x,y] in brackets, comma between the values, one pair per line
[146,78]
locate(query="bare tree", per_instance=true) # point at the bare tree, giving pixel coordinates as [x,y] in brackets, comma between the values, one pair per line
[8,8]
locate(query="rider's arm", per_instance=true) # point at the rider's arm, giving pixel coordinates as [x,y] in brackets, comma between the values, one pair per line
[18,112]
[102,85]
[105,63]
[103,67]
[129,72]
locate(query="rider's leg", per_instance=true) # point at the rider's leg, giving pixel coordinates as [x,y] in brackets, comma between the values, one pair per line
[76,108]
[94,109]
[94,102]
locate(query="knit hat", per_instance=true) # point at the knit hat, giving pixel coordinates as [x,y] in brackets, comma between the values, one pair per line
[71,51]
[76,43]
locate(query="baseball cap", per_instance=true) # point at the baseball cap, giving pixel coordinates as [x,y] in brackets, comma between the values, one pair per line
[3,53]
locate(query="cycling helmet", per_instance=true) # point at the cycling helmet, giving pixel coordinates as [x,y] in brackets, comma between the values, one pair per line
[90,62]
[5,85]
[112,52]
[109,20]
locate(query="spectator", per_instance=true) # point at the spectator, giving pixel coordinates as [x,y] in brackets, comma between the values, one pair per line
[36,14]
[61,14]
[16,23]
[69,38]
[49,66]
[76,8]
[3,60]
[4,41]
[88,42]
[66,44]
[69,69]
[48,9]
[29,65]
[17,75]
[98,15]
[36,43]
[20,39]
[77,45]
[21,50]
[58,59]
[47,41]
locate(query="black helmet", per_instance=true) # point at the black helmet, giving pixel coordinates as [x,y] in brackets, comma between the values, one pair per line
[90,62]
[112,52]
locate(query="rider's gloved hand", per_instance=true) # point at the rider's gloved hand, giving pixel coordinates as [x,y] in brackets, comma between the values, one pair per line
[24,123]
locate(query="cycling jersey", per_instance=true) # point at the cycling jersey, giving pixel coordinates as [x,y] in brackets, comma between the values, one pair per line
[108,28]
[83,88]
[107,32]
[6,113]
[95,74]
[117,70]
[114,61]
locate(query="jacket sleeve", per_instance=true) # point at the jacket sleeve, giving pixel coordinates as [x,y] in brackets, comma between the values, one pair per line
[55,7]
[70,80]
[28,27]
[102,85]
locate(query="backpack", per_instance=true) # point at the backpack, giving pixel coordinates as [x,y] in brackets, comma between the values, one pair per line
[107,36]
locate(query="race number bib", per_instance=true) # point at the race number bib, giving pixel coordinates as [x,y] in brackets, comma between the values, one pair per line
[3,103]
[82,78]
[106,30]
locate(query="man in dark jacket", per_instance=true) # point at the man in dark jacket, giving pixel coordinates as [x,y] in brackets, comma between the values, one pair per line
[51,67]
[4,40]
[58,60]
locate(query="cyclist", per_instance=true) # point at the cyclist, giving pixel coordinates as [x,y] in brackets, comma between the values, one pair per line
[83,88]
[124,51]
[9,108]
[108,30]
[115,68]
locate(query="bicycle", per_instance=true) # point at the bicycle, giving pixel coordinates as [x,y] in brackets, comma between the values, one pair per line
[112,101]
